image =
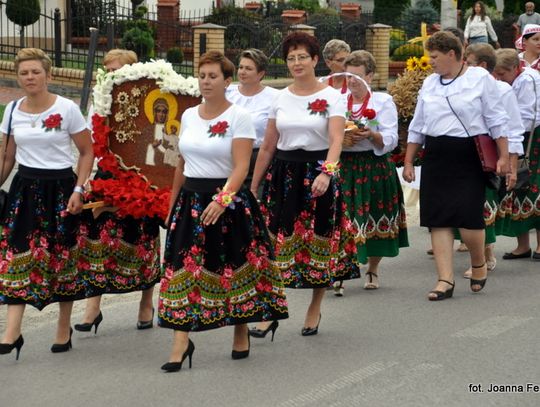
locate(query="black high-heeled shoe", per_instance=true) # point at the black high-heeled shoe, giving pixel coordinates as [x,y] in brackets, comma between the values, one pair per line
[87,327]
[6,348]
[63,347]
[146,324]
[481,283]
[312,331]
[176,366]
[241,354]
[442,295]
[261,333]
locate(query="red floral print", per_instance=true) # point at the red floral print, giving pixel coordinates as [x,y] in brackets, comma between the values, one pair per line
[53,122]
[319,106]
[218,130]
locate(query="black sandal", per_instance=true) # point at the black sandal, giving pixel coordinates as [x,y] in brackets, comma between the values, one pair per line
[442,295]
[481,283]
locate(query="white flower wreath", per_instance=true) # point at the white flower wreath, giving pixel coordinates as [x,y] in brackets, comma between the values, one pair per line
[160,70]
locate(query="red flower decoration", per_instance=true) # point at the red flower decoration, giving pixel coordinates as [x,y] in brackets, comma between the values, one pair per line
[319,106]
[218,130]
[370,114]
[53,122]
[126,190]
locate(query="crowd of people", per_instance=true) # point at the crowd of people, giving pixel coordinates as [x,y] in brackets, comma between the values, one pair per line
[294,188]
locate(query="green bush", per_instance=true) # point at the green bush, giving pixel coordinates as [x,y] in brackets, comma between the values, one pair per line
[175,55]
[406,51]
[413,17]
[385,11]
[23,12]
[397,39]
[311,6]
[139,41]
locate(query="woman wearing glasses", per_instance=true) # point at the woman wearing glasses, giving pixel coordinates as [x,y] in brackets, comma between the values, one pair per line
[334,53]
[314,238]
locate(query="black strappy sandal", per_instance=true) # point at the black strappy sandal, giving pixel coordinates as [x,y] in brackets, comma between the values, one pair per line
[443,295]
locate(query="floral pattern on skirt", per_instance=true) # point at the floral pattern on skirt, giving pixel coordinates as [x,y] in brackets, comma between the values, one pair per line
[519,211]
[39,246]
[491,208]
[315,239]
[222,274]
[119,255]
[373,194]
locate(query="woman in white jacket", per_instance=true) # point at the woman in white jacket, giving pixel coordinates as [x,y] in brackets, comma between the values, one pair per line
[479,26]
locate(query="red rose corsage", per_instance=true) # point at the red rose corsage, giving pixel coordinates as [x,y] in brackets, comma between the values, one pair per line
[329,168]
[53,122]
[319,106]
[218,130]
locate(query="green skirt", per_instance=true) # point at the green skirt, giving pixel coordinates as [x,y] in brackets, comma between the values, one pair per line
[373,195]
[519,211]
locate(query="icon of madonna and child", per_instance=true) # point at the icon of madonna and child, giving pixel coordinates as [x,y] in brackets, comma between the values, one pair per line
[161,110]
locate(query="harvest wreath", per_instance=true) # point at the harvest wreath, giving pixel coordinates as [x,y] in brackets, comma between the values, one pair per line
[128,189]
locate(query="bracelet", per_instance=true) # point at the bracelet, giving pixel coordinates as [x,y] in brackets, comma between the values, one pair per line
[329,168]
[226,199]
[78,189]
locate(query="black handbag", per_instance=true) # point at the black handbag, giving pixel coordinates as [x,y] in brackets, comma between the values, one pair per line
[3,193]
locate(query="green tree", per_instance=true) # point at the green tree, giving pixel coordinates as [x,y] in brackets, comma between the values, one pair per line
[23,13]
[386,11]
[139,36]
[467,4]
[413,17]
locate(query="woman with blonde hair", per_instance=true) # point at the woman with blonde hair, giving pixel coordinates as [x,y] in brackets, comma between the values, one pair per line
[39,242]
[122,253]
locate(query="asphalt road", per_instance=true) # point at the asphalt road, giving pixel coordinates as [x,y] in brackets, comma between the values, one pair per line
[389,347]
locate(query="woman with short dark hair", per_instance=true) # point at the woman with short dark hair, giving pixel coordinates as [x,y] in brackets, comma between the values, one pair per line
[313,235]
[455,104]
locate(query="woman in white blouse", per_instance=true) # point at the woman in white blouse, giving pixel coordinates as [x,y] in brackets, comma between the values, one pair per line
[519,209]
[299,160]
[218,268]
[253,96]
[39,243]
[455,104]
[478,26]
[371,187]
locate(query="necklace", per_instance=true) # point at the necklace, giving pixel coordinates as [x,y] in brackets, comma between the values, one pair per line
[343,87]
[355,115]
[33,120]
[457,76]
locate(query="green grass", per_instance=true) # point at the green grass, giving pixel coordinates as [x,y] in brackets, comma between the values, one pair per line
[2,108]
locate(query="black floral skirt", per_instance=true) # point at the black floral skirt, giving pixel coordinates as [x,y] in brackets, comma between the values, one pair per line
[39,242]
[222,274]
[314,238]
[118,254]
